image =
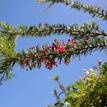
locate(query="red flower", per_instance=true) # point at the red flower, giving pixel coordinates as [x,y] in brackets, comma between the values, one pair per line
[50,64]
[66,61]
[60,49]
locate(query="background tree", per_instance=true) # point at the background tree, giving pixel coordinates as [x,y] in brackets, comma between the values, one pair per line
[85,39]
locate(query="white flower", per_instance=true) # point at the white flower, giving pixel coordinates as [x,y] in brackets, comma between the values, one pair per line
[66,103]
[91,69]
[87,72]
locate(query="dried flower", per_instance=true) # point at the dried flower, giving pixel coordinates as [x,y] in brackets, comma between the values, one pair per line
[26,61]
[56,42]
[71,42]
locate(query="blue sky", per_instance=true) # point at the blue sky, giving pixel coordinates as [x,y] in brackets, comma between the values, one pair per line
[34,88]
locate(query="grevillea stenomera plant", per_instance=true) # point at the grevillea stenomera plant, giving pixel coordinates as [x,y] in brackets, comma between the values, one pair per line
[85,39]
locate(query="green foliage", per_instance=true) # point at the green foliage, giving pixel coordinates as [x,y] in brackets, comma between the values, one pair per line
[74,30]
[6,58]
[88,91]
[6,47]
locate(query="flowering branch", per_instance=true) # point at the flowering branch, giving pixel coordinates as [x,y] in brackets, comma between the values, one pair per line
[51,55]
[58,52]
